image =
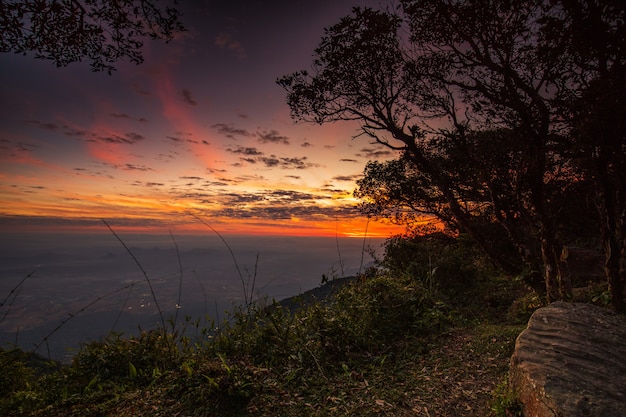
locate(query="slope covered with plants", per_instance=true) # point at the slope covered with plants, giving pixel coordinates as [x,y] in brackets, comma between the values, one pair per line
[428,332]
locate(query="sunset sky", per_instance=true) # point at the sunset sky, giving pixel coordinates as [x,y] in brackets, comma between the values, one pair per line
[200,126]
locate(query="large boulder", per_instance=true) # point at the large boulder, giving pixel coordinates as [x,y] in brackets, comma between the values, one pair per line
[571,361]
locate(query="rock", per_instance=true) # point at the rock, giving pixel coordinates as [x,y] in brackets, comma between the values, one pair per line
[571,361]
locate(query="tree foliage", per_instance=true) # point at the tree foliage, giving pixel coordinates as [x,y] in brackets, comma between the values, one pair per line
[99,31]
[500,112]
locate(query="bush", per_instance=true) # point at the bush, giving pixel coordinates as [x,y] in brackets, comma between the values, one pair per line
[137,359]
[373,312]
[15,374]
[263,352]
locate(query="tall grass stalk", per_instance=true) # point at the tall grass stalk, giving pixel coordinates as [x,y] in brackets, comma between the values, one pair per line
[180,279]
[13,293]
[132,255]
[76,313]
[119,314]
[253,278]
[247,299]
[206,298]
[338,249]
[364,241]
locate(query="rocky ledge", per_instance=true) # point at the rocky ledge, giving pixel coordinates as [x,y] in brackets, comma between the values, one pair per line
[571,361]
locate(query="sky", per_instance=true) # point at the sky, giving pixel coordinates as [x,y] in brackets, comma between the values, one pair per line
[200,127]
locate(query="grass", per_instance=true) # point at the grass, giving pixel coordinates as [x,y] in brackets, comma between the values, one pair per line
[397,341]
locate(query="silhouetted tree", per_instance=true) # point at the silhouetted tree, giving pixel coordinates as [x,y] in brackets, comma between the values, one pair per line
[99,31]
[472,97]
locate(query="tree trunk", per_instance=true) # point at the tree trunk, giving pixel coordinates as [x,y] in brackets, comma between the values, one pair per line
[534,278]
[550,271]
[620,228]
[558,283]
[613,248]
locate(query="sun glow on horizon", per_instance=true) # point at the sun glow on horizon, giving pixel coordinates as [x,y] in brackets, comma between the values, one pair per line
[349,228]
[193,129]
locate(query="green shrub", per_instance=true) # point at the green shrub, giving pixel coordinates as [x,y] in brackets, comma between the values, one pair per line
[15,374]
[16,378]
[504,403]
[211,386]
[376,322]
[449,265]
[377,309]
[137,359]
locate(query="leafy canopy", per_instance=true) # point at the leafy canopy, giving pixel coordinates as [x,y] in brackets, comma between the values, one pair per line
[101,32]
[500,110]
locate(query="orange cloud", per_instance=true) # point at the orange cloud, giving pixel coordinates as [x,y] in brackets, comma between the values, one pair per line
[175,103]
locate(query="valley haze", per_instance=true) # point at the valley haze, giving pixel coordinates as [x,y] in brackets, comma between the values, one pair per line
[91,282]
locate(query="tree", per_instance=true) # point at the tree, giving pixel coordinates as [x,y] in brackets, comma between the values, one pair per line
[99,31]
[479,76]
[593,35]
[392,94]
[482,169]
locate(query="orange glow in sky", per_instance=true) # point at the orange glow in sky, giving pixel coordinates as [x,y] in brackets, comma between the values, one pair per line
[200,127]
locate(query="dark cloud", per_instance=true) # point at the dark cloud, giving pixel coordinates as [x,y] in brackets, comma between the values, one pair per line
[306,144]
[26,147]
[128,139]
[244,198]
[67,130]
[273,161]
[140,90]
[297,163]
[133,167]
[166,157]
[272,137]
[95,172]
[290,195]
[216,170]
[187,97]
[295,177]
[272,204]
[129,117]
[285,212]
[373,153]
[270,162]
[247,178]
[347,160]
[347,178]
[46,125]
[230,131]
[135,137]
[178,139]
[77,133]
[329,188]
[244,150]
[123,167]
[225,41]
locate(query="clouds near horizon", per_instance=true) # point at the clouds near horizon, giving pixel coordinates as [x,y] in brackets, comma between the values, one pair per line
[200,125]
